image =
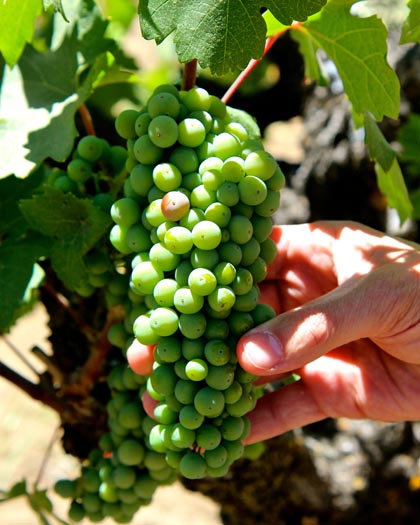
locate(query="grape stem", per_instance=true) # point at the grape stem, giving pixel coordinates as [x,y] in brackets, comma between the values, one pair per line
[36,391]
[243,75]
[189,76]
[87,119]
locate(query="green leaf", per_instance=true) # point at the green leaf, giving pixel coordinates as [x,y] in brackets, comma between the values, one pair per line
[409,138]
[358,47]
[15,491]
[308,49]
[391,184]
[75,225]
[39,501]
[237,32]
[57,5]
[17,260]
[12,222]
[17,27]
[41,95]
[411,28]
[389,176]
[379,148]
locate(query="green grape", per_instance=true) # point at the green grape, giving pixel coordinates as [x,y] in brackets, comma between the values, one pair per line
[138,238]
[240,229]
[191,132]
[179,240]
[193,466]
[192,348]
[146,152]
[228,194]
[204,259]
[188,302]
[201,197]
[169,349]
[182,437]
[163,131]
[65,488]
[164,414]
[217,352]
[269,205]
[125,122]
[65,184]
[163,258]
[185,391]
[252,190]
[208,437]
[218,213]
[79,170]
[163,103]
[220,377]
[202,281]
[204,195]
[125,212]
[76,512]
[130,452]
[164,321]
[222,299]
[145,487]
[141,179]
[164,292]
[90,148]
[260,164]
[190,418]
[191,218]
[164,379]
[209,402]
[185,159]
[192,326]
[212,179]
[230,252]
[206,235]
[124,477]
[167,176]
[216,457]
[145,276]
[196,369]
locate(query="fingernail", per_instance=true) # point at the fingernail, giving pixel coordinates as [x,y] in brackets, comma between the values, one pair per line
[263,350]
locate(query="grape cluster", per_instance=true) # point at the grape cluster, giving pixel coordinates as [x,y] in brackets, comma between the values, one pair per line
[122,474]
[196,216]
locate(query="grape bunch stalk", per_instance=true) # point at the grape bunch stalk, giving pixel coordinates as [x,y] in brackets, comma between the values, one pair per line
[196,218]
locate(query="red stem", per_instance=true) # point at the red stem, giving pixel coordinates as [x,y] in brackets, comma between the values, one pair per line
[189,76]
[87,120]
[254,63]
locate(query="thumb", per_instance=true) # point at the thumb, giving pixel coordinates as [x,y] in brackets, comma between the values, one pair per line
[292,339]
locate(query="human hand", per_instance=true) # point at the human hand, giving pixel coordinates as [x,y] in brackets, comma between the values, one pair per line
[350,328]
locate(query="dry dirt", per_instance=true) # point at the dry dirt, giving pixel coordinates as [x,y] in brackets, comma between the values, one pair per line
[26,429]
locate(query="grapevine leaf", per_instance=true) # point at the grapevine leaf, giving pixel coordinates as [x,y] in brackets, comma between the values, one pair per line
[57,6]
[75,225]
[391,184]
[308,49]
[409,138]
[411,28]
[39,501]
[358,48]
[18,25]
[12,222]
[41,95]
[17,490]
[17,270]
[390,178]
[237,33]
